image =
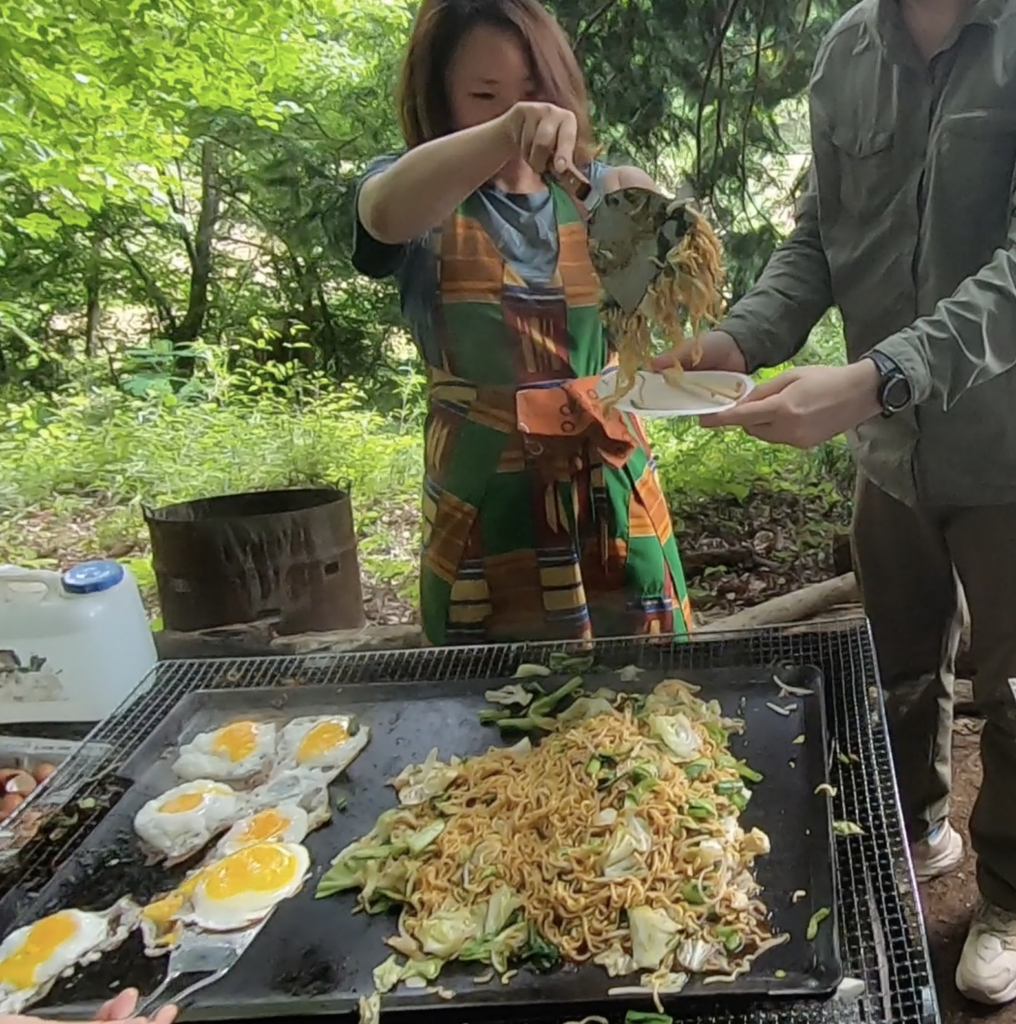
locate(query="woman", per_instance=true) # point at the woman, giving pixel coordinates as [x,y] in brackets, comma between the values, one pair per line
[543,518]
[120,1008]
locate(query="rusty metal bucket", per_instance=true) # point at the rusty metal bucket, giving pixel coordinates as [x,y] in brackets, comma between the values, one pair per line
[288,556]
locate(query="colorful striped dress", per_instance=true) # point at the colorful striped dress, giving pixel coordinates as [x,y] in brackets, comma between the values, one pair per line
[542,519]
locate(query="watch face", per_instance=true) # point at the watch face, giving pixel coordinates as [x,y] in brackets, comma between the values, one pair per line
[896,395]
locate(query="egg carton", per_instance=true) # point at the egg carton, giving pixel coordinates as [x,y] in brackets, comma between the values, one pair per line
[28,753]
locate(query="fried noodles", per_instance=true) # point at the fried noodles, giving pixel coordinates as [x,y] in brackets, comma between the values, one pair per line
[614,840]
[684,300]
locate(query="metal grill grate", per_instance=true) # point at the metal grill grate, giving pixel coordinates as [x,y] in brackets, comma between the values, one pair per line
[883,940]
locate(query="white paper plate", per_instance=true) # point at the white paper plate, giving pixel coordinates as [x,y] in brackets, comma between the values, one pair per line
[653,398]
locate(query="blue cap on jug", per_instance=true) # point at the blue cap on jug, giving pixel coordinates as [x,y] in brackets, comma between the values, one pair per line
[92,577]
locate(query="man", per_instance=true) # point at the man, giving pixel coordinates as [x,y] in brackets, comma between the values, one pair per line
[908,226]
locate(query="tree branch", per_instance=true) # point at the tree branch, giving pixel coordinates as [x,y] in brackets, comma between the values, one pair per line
[714,56]
[598,15]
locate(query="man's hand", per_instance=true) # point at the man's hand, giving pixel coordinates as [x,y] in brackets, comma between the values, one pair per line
[807,406]
[719,352]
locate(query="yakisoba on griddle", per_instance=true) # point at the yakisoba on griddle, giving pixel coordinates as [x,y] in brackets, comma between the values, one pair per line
[615,840]
[683,300]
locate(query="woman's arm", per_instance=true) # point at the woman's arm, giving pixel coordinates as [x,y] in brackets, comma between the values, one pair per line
[424,186]
[628,177]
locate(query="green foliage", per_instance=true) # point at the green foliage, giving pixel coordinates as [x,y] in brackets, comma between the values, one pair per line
[194,164]
[702,90]
[91,454]
[179,315]
[252,425]
[92,87]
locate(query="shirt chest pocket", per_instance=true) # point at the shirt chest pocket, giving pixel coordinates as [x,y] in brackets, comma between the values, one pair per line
[866,168]
[973,170]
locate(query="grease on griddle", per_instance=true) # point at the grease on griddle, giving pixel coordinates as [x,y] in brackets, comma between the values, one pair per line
[311,975]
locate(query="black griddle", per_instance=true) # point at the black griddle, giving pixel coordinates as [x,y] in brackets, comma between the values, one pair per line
[316,957]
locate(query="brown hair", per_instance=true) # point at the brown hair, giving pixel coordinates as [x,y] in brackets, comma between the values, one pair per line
[438,31]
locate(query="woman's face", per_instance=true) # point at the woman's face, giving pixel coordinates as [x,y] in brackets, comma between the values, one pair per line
[487,77]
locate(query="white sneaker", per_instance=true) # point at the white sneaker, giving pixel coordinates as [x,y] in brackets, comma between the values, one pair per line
[940,852]
[987,967]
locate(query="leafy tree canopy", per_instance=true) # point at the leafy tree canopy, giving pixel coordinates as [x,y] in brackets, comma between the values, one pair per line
[194,161]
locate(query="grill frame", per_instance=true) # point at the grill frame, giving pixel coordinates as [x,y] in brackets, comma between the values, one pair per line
[882,935]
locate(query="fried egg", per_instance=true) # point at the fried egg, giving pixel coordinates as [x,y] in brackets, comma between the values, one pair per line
[160,920]
[306,788]
[328,743]
[233,753]
[244,887]
[286,823]
[187,817]
[33,957]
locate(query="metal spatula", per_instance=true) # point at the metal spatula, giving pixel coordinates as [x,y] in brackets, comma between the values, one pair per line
[630,233]
[209,954]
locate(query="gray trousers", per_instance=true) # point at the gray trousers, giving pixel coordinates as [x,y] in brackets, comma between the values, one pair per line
[908,561]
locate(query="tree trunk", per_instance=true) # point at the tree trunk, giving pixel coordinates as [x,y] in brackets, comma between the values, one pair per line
[161,303]
[93,302]
[200,253]
[330,337]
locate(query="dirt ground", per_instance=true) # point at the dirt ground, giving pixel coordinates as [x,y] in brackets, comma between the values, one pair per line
[949,902]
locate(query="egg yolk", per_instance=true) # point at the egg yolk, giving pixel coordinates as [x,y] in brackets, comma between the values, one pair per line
[183,803]
[162,910]
[236,741]
[321,738]
[18,970]
[161,914]
[188,885]
[265,825]
[265,867]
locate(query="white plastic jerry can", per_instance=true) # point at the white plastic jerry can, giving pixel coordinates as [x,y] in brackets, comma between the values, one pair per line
[73,645]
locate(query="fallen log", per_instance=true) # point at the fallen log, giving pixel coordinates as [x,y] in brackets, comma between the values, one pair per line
[258,638]
[796,606]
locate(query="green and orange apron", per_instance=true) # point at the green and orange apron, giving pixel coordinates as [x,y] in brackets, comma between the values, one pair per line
[543,518]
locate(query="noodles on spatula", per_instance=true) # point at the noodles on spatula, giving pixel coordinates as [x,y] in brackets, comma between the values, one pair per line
[684,300]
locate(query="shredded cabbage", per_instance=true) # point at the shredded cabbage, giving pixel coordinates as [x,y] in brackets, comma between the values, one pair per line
[677,734]
[628,845]
[653,932]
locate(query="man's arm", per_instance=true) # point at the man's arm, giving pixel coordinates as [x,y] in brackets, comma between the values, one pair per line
[772,322]
[971,336]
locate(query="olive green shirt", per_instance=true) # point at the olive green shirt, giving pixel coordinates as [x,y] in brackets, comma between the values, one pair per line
[908,226]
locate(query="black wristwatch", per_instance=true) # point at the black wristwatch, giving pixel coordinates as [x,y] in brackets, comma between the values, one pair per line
[894,394]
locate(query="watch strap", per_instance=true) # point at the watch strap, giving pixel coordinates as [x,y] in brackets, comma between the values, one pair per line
[894,389]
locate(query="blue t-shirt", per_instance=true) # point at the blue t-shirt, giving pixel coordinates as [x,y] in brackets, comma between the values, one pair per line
[522,226]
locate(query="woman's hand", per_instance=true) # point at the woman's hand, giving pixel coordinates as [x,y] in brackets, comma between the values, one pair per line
[120,1008]
[806,406]
[544,136]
